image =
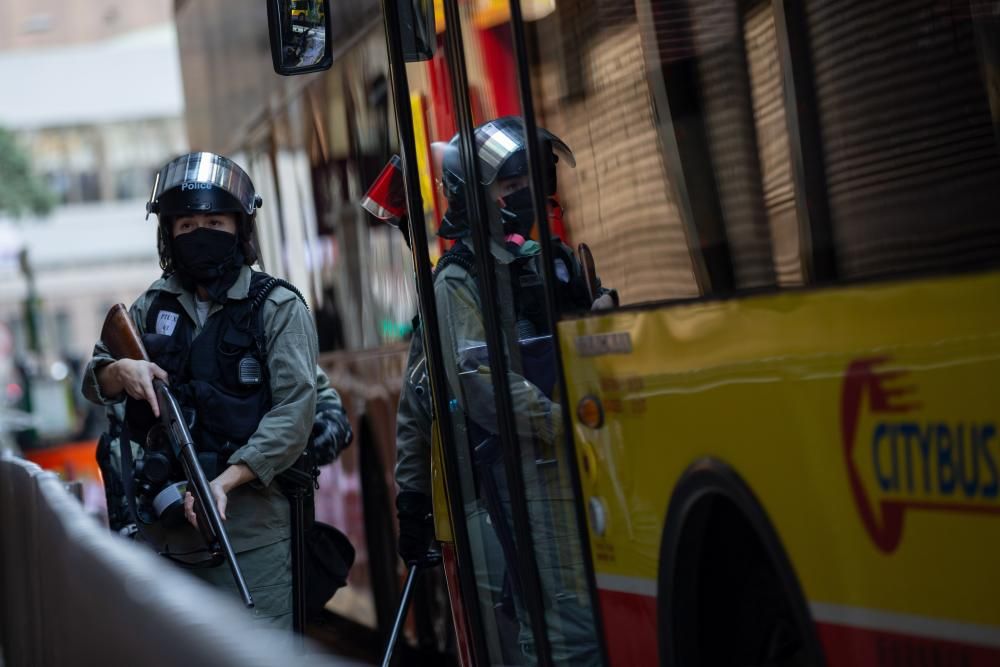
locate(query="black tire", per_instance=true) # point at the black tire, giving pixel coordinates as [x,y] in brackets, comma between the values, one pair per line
[727,593]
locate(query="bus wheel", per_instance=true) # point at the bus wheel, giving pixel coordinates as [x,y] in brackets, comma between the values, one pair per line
[727,595]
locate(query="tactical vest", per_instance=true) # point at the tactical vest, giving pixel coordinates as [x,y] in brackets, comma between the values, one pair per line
[528,284]
[219,377]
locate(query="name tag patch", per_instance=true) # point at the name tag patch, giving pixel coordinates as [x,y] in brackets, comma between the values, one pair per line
[166,322]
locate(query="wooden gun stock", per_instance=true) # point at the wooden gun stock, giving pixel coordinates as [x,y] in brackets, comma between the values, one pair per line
[122,339]
[120,335]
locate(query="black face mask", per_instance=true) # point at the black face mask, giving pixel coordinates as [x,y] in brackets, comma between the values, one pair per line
[208,258]
[518,212]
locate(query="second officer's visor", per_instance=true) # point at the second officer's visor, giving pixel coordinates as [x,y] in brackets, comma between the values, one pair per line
[498,140]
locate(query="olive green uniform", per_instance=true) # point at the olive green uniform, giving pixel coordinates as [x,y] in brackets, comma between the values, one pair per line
[257,512]
[413,421]
[538,421]
[325,393]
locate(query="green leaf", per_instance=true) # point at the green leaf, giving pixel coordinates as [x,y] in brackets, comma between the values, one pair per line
[21,191]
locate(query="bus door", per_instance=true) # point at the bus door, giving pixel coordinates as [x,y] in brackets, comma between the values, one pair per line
[487,308]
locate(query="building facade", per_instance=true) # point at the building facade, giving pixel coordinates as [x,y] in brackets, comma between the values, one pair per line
[96,119]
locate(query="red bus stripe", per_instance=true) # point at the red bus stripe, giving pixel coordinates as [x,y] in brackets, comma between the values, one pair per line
[847,646]
[629,628]
[631,635]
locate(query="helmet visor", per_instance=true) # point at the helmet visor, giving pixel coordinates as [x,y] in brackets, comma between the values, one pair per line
[498,140]
[198,172]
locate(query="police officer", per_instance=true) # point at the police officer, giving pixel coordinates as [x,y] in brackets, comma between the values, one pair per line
[239,351]
[503,168]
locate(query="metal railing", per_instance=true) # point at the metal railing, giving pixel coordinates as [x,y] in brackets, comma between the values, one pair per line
[72,593]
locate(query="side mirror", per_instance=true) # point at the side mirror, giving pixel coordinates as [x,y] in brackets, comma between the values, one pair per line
[299,33]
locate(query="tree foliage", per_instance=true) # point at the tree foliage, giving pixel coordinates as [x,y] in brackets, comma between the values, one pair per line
[20,190]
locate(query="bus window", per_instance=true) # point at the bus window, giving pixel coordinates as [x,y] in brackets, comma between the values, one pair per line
[589,89]
[758,157]
[908,133]
[673,192]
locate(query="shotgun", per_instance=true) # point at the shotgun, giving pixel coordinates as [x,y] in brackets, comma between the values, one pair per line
[122,339]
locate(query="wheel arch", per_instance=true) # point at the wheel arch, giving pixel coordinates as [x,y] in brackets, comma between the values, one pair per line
[686,528]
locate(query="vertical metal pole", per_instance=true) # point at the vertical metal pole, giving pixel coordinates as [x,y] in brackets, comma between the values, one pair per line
[428,310]
[404,606]
[805,142]
[298,547]
[552,306]
[487,281]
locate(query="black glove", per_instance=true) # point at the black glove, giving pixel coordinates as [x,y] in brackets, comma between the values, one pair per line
[331,433]
[416,526]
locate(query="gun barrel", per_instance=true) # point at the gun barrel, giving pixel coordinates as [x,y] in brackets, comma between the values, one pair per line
[173,419]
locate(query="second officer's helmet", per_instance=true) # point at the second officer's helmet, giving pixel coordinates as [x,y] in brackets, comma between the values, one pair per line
[501,151]
[203,183]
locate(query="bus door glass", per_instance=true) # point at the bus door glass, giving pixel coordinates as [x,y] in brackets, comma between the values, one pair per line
[492,610]
[500,358]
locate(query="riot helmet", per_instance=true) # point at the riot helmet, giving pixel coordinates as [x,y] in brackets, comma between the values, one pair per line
[501,151]
[203,182]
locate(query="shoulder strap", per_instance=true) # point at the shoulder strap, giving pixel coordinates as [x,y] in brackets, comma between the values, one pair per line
[460,255]
[262,284]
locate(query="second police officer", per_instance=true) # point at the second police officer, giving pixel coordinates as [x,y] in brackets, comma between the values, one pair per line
[517,259]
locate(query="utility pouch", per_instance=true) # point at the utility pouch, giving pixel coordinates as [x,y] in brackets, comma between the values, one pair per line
[114,490]
[329,557]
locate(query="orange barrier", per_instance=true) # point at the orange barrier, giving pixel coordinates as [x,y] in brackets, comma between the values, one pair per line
[72,461]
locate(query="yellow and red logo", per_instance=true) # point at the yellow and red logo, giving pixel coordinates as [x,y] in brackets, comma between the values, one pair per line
[901,456]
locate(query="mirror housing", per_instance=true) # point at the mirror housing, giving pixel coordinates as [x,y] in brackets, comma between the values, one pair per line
[417,29]
[300,33]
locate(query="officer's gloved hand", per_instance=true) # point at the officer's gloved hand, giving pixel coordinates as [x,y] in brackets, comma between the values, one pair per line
[416,526]
[331,433]
[606,301]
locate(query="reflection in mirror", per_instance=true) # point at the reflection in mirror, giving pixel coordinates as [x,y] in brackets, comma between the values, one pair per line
[299,31]
[306,34]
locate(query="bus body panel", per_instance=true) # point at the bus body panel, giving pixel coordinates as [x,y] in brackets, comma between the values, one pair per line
[863,419]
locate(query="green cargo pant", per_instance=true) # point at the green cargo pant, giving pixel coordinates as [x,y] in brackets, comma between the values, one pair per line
[268,572]
[559,555]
